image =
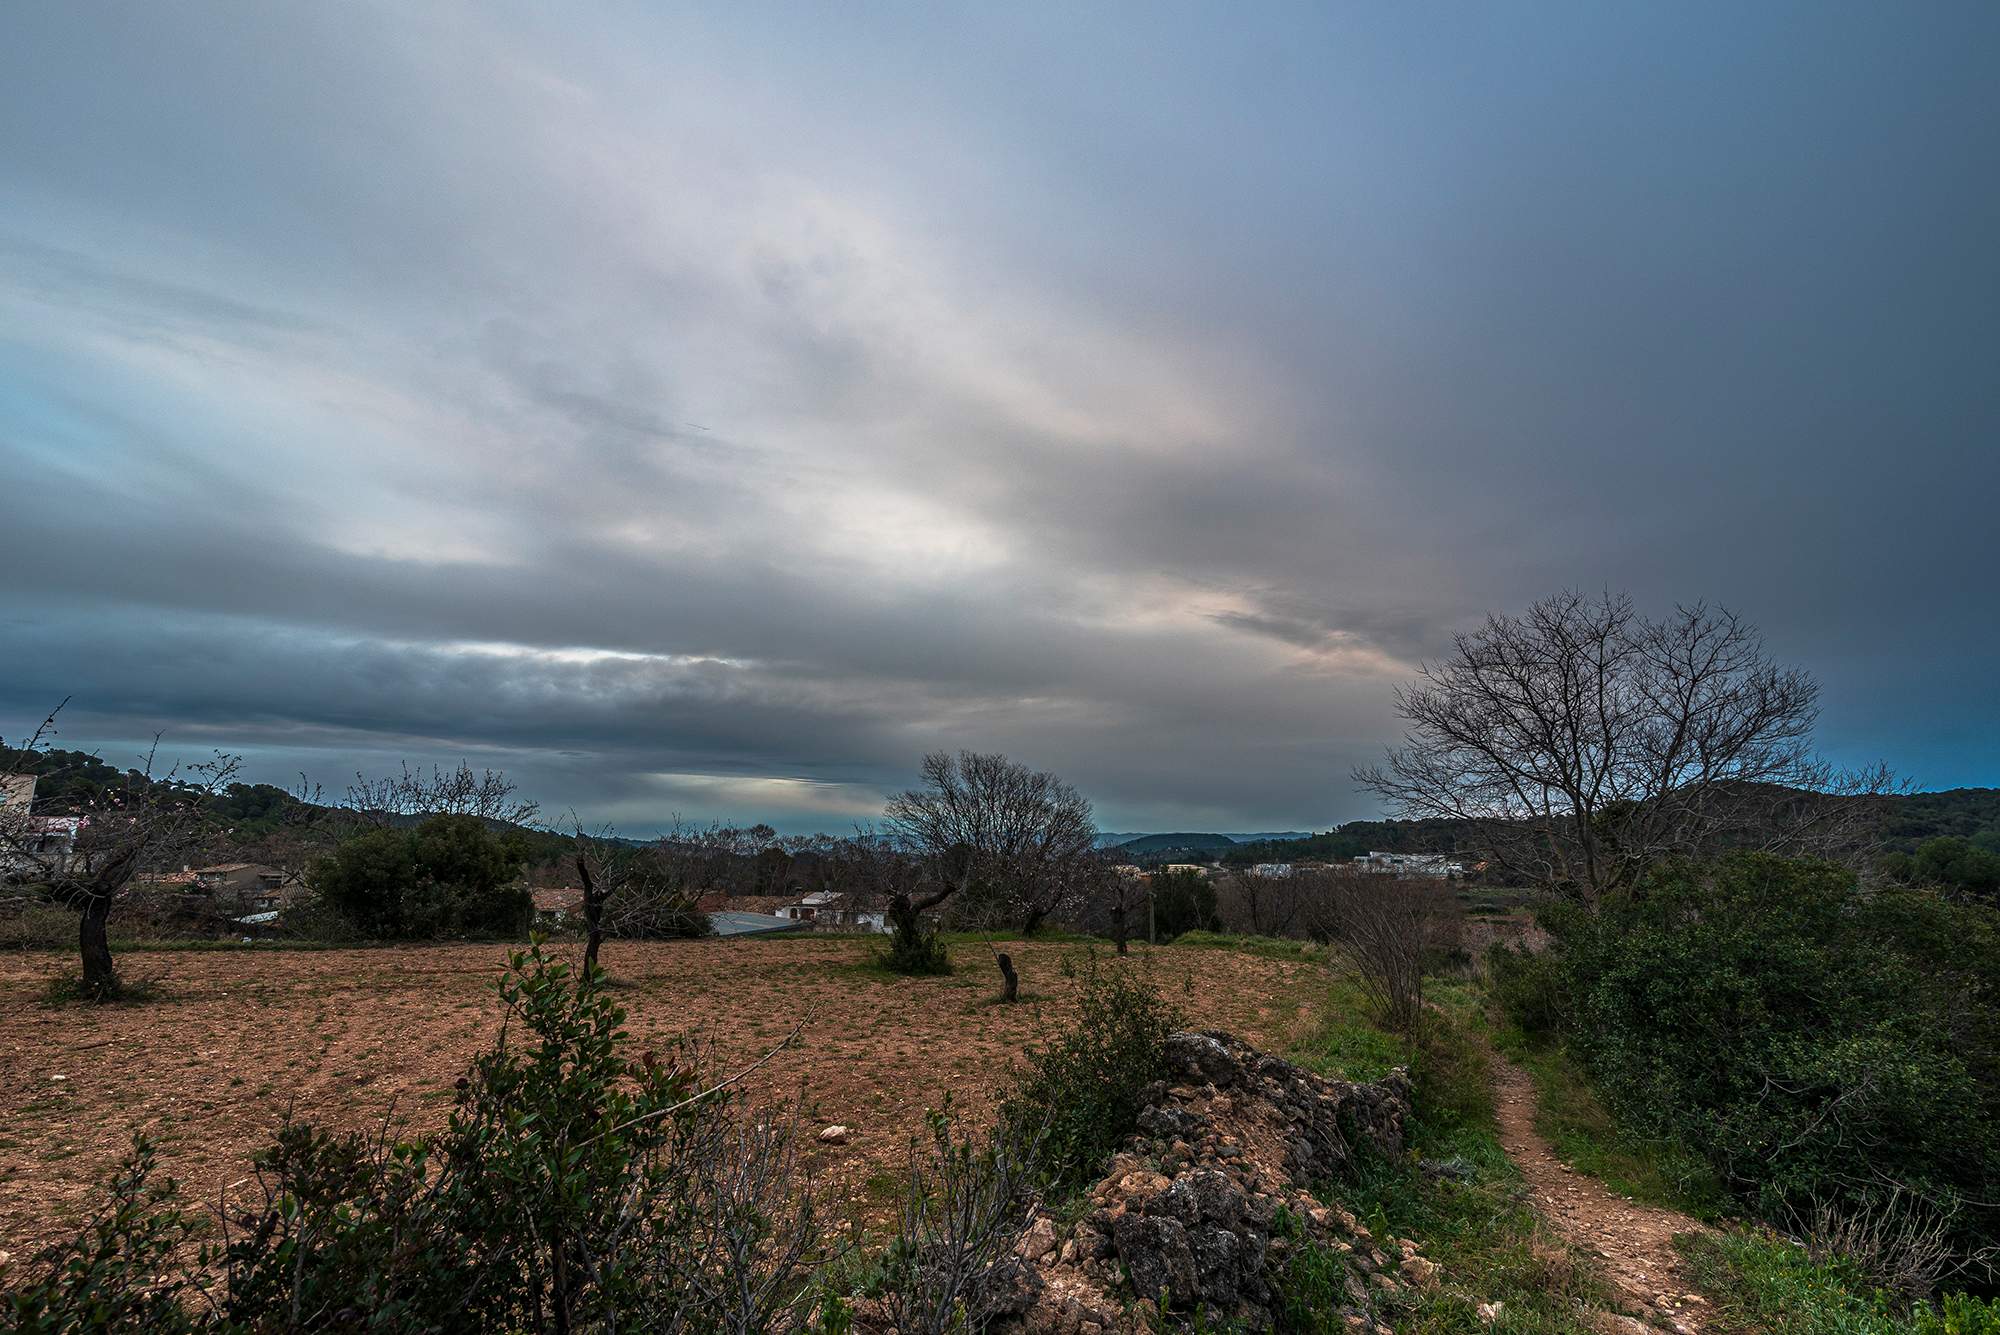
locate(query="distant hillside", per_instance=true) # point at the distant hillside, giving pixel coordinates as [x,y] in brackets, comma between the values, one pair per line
[1173,843]
[1962,813]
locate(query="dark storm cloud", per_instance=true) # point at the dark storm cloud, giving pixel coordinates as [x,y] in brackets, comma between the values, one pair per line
[710,414]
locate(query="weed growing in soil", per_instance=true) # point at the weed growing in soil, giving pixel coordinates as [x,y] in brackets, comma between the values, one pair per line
[1080,1090]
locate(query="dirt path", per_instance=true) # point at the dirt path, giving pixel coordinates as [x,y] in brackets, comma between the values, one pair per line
[1634,1242]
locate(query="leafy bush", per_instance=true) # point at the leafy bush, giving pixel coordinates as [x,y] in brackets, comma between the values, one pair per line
[449,876]
[915,948]
[964,1207]
[1527,986]
[1821,1044]
[1078,1094]
[1949,863]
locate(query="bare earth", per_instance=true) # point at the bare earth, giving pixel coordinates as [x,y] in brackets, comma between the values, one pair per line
[1633,1243]
[343,1036]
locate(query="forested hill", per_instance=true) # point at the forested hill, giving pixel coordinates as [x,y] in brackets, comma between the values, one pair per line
[1909,821]
[1972,814]
[1174,843]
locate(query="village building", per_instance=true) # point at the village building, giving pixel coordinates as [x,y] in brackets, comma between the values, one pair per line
[1435,865]
[831,910]
[31,842]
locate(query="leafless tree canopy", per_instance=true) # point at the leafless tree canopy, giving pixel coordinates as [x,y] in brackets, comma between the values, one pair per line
[1385,929]
[655,889]
[1264,905]
[1586,742]
[487,794]
[1018,835]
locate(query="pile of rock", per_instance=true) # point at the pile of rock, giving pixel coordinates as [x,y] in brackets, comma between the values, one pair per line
[1190,1210]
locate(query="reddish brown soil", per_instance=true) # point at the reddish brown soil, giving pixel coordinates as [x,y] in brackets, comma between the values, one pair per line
[341,1036]
[1633,1242]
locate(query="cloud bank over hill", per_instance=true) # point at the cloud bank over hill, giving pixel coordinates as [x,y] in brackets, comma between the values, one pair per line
[713,413]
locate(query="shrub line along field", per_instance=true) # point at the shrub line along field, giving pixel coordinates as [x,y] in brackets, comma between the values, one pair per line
[348,1036]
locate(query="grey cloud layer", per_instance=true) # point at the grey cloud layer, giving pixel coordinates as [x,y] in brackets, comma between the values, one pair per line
[713,414]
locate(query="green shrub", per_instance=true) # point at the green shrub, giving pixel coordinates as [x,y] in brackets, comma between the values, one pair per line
[1183,901]
[448,876]
[1527,987]
[1821,1044]
[1079,1092]
[915,948]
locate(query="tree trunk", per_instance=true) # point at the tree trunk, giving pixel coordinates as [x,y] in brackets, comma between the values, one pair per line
[593,915]
[1032,923]
[903,918]
[100,980]
[1118,922]
[1011,992]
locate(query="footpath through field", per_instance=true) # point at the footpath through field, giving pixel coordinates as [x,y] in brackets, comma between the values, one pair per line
[1633,1242]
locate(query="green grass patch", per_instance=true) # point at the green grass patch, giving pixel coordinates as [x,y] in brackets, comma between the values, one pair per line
[1763,1283]
[1459,1197]
[1586,1136]
[1264,947]
[67,989]
[1454,1191]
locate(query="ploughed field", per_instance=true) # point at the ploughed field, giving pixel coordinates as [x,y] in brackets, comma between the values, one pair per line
[347,1037]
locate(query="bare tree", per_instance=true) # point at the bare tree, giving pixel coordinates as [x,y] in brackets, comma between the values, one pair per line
[1262,905]
[1017,834]
[1384,928]
[397,798]
[145,819]
[1110,896]
[655,889]
[1585,742]
[600,879]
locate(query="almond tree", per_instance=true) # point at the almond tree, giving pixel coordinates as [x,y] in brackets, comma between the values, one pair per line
[983,820]
[145,819]
[1585,742]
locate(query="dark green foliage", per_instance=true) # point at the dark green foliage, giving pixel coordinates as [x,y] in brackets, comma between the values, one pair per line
[1527,987]
[108,1277]
[1964,813]
[1177,843]
[1820,1044]
[521,1212]
[448,876]
[1183,901]
[1948,863]
[915,948]
[1079,1092]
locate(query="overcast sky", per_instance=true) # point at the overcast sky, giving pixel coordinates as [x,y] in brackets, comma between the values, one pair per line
[710,411]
